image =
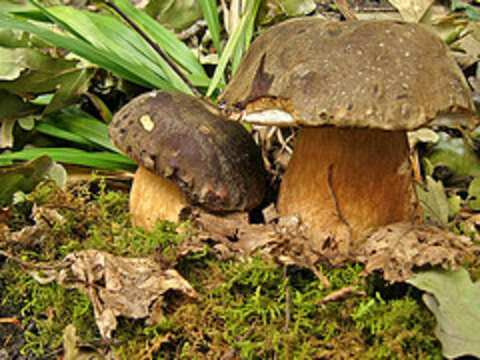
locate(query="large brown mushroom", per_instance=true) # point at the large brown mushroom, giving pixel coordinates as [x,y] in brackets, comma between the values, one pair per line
[188,154]
[355,88]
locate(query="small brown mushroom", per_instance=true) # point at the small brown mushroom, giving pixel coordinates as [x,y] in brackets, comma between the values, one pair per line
[188,154]
[354,88]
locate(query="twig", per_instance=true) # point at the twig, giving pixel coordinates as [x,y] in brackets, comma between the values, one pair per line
[12,320]
[157,48]
[342,293]
[345,9]
[323,279]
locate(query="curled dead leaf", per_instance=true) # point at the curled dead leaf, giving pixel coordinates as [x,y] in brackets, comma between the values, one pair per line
[395,249]
[398,248]
[119,286]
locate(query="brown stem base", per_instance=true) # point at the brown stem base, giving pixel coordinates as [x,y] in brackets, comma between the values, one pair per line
[344,183]
[153,197]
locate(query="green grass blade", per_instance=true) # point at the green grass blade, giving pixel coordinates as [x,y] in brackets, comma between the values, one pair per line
[81,48]
[99,160]
[232,43]
[247,35]
[53,130]
[122,43]
[210,12]
[81,124]
[174,48]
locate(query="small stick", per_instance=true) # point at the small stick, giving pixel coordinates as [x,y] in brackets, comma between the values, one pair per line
[12,320]
[342,293]
[157,48]
[323,279]
[345,9]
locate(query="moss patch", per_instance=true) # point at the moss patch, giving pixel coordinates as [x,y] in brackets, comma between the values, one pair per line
[245,309]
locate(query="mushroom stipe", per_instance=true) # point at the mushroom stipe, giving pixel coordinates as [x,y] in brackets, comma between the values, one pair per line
[358,193]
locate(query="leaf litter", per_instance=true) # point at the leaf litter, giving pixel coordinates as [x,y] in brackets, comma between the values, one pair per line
[118,286]
[396,250]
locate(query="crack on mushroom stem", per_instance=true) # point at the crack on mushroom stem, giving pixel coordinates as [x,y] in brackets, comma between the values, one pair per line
[335,201]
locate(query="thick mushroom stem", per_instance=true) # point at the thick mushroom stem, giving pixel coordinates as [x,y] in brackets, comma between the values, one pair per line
[343,183]
[153,197]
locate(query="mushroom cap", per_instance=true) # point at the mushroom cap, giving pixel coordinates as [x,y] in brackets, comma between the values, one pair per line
[214,162]
[389,75]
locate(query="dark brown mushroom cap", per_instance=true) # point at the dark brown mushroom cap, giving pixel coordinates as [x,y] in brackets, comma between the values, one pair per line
[213,161]
[381,74]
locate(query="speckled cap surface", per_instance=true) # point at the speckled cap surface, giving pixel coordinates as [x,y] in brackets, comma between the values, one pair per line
[213,161]
[381,74]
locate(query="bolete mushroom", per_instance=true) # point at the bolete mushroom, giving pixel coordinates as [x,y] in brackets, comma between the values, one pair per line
[354,88]
[188,154]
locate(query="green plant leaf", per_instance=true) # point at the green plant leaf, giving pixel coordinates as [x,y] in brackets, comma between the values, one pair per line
[474,194]
[14,107]
[297,7]
[24,177]
[100,160]
[210,12]
[246,38]
[122,43]
[176,14]
[78,123]
[117,65]
[69,89]
[232,44]
[47,128]
[455,154]
[455,301]
[174,48]
[433,201]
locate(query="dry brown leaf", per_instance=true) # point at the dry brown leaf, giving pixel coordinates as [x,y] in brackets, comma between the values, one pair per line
[119,286]
[397,248]
[411,10]
[468,46]
[282,239]
[44,219]
[71,350]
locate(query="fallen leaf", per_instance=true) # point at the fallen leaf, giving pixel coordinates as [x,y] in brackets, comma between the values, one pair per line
[397,249]
[71,350]
[412,10]
[467,48]
[455,301]
[118,286]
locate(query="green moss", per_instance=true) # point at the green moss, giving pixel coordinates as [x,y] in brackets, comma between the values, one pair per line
[250,309]
[46,310]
